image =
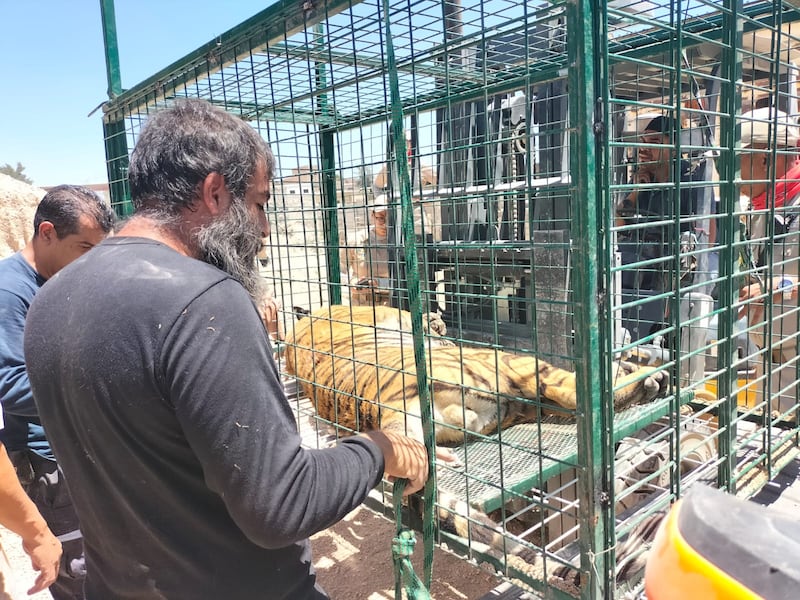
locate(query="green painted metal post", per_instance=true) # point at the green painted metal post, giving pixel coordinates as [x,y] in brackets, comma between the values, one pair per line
[328,162]
[111,48]
[114,131]
[729,234]
[414,295]
[594,447]
[331,217]
[602,419]
[117,166]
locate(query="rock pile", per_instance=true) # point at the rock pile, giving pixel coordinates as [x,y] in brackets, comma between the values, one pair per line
[18,202]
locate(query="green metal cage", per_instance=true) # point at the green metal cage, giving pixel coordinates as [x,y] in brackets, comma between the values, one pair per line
[527,202]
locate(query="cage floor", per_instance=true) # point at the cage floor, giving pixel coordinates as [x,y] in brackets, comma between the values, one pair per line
[513,461]
[525,456]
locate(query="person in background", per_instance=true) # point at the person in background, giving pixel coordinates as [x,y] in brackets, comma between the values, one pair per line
[648,242]
[653,202]
[769,140]
[367,260]
[69,221]
[158,389]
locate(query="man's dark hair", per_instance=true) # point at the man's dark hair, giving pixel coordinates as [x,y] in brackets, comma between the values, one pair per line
[662,124]
[64,205]
[181,145]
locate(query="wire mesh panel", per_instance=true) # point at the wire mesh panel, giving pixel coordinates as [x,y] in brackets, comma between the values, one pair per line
[559,223]
[688,81]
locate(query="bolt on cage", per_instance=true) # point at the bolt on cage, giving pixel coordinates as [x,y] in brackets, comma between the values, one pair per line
[555,179]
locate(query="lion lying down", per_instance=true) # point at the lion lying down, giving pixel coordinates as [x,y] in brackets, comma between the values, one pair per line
[357,365]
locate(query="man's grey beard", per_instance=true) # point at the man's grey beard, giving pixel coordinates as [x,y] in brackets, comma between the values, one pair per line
[231,243]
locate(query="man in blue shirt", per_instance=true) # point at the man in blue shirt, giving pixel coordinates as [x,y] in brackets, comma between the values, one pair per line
[69,221]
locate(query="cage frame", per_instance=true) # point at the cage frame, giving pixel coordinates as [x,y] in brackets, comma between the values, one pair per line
[589,247]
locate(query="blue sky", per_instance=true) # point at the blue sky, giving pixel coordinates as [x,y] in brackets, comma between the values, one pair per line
[53,73]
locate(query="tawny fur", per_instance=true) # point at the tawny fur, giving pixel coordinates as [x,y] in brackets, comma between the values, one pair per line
[357,365]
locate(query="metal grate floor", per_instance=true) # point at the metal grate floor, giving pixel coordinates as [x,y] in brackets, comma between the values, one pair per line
[513,461]
[525,456]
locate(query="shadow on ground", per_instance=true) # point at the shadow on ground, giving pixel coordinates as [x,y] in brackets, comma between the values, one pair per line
[354,562]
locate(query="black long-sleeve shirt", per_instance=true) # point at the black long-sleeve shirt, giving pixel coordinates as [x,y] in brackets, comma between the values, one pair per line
[155,382]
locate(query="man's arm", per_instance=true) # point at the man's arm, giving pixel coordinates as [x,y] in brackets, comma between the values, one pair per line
[19,514]
[625,209]
[228,396]
[783,288]
[15,389]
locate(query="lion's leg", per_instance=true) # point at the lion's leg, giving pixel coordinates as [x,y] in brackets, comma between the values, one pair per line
[557,385]
[636,385]
[434,324]
[458,418]
[410,425]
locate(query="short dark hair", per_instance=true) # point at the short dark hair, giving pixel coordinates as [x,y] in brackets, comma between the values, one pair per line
[181,145]
[663,124]
[64,205]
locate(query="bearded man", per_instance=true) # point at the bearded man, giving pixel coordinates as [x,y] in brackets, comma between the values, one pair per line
[155,381]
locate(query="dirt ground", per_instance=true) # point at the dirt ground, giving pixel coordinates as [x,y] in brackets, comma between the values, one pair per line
[353,561]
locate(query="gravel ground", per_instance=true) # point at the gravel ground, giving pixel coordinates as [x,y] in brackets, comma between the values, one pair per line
[354,562]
